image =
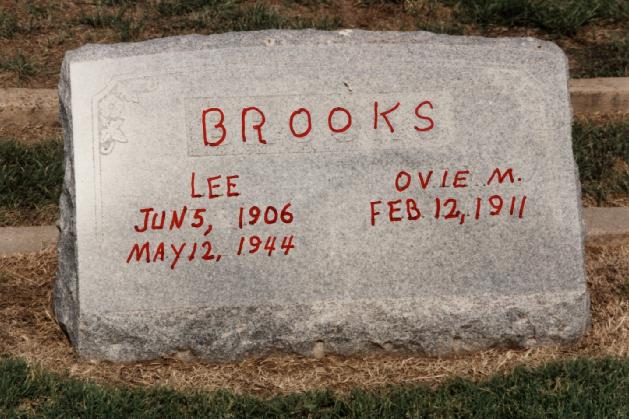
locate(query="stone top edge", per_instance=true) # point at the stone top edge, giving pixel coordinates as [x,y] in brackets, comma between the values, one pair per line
[270,38]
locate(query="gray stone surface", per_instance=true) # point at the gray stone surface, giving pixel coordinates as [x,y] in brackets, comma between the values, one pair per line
[132,115]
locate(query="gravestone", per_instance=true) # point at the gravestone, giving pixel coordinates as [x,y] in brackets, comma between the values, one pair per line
[315,192]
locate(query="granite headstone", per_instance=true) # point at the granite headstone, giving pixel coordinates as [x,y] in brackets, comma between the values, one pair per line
[338,192]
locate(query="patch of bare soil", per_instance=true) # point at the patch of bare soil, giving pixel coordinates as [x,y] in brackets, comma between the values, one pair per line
[28,330]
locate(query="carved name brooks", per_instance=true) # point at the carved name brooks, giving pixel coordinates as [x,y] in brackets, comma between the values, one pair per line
[311,123]
[339,120]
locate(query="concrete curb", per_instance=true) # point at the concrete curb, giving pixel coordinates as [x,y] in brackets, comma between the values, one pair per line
[29,107]
[606,225]
[604,96]
[602,225]
[590,97]
[15,240]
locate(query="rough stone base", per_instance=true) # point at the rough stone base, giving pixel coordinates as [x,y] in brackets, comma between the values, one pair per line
[445,326]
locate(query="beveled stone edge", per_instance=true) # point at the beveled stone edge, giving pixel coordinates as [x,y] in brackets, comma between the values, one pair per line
[66,283]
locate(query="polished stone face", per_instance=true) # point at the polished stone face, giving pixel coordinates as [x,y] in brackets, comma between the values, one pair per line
[243,194]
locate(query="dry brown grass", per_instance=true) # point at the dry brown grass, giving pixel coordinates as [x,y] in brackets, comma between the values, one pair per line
[613,201]
[44,215]
[29,133]
[28,330]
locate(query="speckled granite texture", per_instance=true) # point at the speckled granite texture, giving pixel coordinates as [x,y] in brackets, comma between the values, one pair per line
[132,116]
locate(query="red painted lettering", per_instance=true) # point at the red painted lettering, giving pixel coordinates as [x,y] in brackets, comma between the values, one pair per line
[137,252]
[192,192]
[231,185]
[291,120]
[257,127]
[347,124]
[393,209]
[431,123]
[501,176]
[460,178]
[177,253]
[146,212]
[424,182]
[402,181]
[159,253]
[217,125]
[444,178]
[383,115]
[177,220]
[193,253]
[210,186]
[412,211]
[198,215]
[158,225]
[374,212]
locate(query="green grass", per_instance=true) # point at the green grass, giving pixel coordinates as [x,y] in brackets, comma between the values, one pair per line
[588,388]
[178,8]
[21,65]
[602,154]
[100,18]
[8,24]
[374,2]
[603,60]
[30,176]
[213,15]
[128,27]
[562,17]
[254,18]
[234,15]
[38,11]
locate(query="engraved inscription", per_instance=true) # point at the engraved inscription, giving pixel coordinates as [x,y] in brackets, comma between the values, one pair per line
[315,123]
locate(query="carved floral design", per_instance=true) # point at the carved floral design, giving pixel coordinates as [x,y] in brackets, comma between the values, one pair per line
[113,108]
